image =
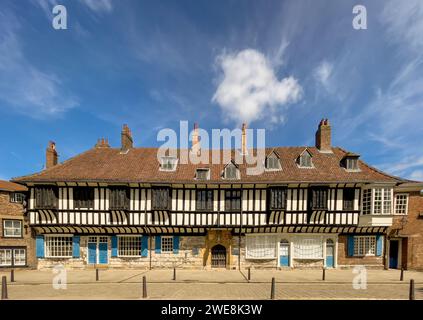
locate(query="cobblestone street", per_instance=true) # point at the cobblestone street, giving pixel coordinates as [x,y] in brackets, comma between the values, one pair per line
[189,284]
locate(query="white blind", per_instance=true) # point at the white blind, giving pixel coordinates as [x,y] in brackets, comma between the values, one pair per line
[261,247]
[308,248]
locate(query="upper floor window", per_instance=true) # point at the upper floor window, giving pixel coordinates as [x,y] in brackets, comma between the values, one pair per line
[119,198]
[305,160]
[83,198]
[202,174]
[12,228]
[231,171]
[17,197]
[377,201]
[277,199]
[401,203]
[45,197]
[273,162]
[351,164]
[160,198]
[348,195]
[319,198]
[232,200]
[204,200]
[168,164]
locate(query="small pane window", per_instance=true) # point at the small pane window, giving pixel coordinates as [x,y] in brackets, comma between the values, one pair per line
[231,172]
[204,200]
[17,197]
[167,244]
[83,197]
[233,200]
[401,203]
[364,246]
[319,198]
[305,160]
[272,163]
[202,174]
[12,228]
[168,163]
[129,246]
[161,198]
[351,164]
[58,246]
[349,194]
[278,198]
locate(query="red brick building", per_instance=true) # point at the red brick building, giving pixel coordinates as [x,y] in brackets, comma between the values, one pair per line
[16,244]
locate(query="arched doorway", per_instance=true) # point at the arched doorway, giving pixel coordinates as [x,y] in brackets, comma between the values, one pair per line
[218,256]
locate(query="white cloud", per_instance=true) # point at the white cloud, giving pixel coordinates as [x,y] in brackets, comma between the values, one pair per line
[249,89]
[23,86]
[323,72]
[99,5]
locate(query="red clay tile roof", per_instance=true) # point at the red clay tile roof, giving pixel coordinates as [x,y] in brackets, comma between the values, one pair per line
[10,186]
[141,165]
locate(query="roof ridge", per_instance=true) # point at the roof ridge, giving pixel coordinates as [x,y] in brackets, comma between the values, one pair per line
[53,167]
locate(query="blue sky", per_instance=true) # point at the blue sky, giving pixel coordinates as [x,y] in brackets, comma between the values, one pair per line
[151,64]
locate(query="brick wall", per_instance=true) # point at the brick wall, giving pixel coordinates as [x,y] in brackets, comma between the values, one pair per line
[345,260]
[410,229]
[9,210]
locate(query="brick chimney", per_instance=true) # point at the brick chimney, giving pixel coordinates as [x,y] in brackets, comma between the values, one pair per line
[323,136]
[244,139]
[195,142]
[102,143]
[51,155]
[126,139]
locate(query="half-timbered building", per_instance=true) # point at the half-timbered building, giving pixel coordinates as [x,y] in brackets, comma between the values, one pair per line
[318,206]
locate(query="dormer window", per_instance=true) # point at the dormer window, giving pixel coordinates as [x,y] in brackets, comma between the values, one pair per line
[202,174]
[272,162]
[231,172]
[305,160]
[168,164]
[350,162]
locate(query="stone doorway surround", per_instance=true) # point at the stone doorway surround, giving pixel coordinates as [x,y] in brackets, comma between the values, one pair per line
[215,237]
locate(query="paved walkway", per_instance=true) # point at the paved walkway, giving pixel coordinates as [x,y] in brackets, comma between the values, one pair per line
[205,285]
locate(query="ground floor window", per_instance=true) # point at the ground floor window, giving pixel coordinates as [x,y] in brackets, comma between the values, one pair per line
[129,246]
[58,246]
[261,247]
[167,244]
[12,257]
[364,245]
[308,248]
